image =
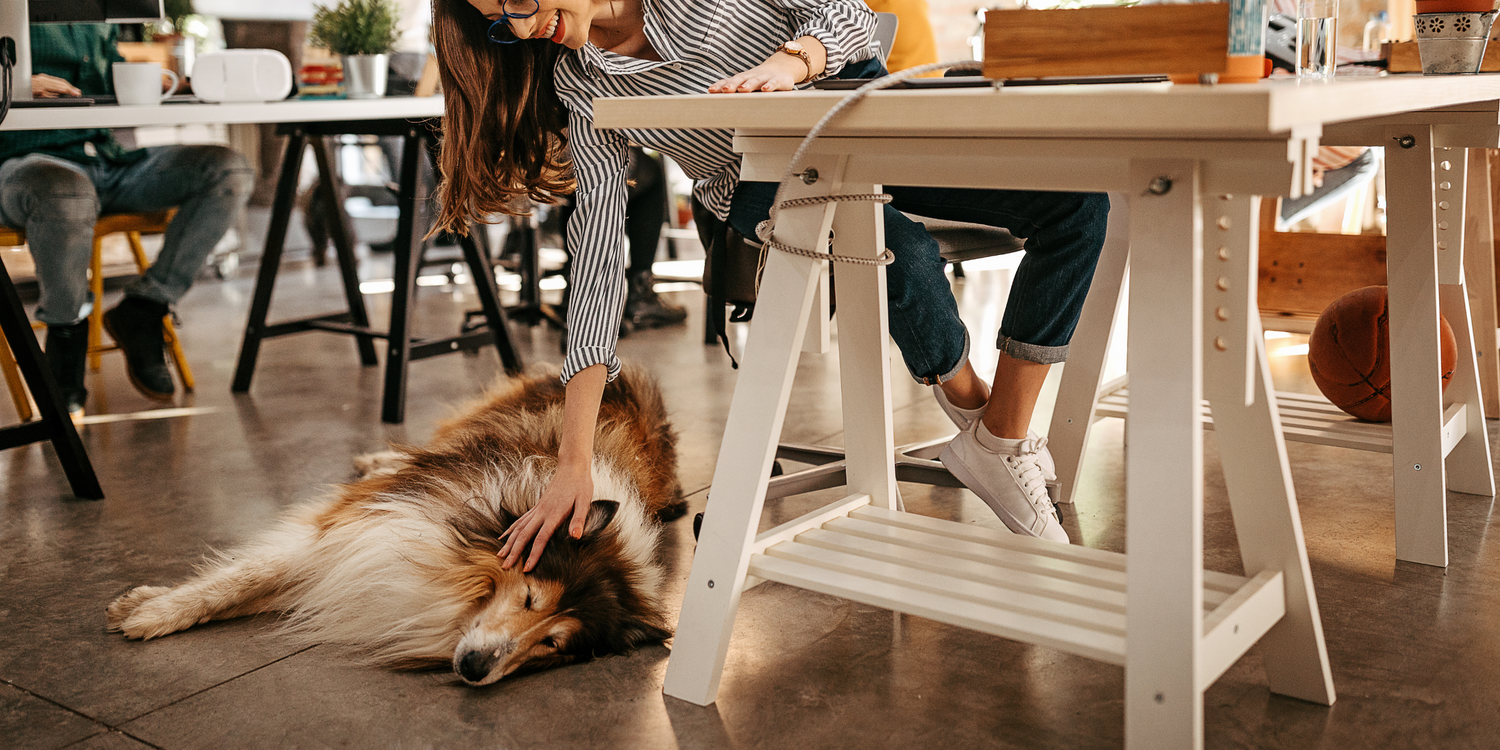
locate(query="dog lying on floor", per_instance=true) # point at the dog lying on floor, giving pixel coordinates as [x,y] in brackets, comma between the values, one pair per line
[401,564]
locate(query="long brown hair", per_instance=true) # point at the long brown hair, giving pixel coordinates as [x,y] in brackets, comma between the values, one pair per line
[503,123]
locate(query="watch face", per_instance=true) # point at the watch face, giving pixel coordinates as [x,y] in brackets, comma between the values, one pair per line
[792,46]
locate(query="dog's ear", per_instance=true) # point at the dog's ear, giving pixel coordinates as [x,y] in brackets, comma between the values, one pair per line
[641,632]
[601,512]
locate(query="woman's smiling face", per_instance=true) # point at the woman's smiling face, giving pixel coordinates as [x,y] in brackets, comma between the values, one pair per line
[564,22]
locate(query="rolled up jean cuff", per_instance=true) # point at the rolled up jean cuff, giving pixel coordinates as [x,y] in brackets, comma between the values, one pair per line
[950,374]
[1042,355]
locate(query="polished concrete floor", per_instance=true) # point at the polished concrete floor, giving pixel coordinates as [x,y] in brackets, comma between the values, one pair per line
[1415,650]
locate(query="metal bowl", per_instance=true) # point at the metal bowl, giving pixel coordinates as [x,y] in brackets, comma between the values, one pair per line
[1451,43]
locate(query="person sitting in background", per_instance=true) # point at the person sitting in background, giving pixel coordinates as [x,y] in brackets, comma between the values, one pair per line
[55,184]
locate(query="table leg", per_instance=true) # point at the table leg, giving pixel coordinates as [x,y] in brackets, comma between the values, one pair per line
[1479,272]
[270,260]
[750,436]
[55,425]
[1078,393]
[1164,466]
[1253,453]
[864,352]
[330,193]
[1416,398]
[408,254]
[1467,464]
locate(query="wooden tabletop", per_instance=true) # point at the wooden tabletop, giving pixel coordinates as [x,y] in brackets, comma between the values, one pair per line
[1265,109]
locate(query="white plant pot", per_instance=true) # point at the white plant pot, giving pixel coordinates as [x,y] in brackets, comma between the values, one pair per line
[365,76]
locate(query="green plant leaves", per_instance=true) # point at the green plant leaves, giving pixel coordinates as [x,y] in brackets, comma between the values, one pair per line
[356,27]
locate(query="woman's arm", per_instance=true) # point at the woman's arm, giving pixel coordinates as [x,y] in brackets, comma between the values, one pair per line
[572,488]
[600,161]
[832,33]
[780,71]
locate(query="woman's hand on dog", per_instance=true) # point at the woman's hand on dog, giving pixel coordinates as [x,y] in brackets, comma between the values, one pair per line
[567,497]
[571,490]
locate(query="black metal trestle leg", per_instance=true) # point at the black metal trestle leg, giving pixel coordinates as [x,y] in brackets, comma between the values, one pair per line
[54,425]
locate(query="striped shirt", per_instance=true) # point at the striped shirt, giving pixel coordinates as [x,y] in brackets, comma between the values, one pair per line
[700,42]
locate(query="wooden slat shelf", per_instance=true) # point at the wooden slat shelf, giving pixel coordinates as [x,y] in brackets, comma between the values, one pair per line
[1065,597]
[1311,419]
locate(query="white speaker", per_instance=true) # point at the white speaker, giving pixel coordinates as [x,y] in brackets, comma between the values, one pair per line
[242,75]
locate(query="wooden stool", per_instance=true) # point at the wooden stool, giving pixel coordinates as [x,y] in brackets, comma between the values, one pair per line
[133,226]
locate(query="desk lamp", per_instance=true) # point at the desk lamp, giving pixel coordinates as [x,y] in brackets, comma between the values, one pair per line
[16,17]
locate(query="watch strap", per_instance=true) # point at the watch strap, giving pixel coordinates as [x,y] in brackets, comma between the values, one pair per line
[799,53]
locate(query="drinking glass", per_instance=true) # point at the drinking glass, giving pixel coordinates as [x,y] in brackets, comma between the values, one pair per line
[1317,37]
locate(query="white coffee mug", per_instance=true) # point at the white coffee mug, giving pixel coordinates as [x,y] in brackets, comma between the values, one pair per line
[138,84]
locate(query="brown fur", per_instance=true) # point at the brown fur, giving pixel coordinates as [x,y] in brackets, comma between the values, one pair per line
[402,563]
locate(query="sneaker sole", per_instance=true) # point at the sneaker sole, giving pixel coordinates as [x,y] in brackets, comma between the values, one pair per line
[962,473]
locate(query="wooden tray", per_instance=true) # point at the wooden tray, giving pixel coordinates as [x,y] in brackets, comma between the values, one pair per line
[1140,40]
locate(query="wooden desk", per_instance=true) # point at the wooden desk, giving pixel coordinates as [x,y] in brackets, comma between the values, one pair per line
[1191,161]
[307,123]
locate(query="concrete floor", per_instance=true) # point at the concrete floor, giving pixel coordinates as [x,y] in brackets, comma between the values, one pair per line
[1415,650]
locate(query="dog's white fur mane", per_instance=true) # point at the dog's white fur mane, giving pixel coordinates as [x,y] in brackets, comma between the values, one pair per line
[390,559]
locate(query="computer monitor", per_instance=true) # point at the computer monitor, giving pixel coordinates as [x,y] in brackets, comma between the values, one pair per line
[86,11]
[16,17]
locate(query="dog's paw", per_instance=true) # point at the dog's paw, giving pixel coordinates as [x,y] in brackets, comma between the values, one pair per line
[122,608]
[379,464]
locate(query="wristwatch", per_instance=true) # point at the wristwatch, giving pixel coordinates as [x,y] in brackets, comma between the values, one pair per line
[795,49]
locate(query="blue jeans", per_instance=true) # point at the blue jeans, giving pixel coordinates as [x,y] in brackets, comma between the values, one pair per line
[1064,234]
[57,202]
[1064,231]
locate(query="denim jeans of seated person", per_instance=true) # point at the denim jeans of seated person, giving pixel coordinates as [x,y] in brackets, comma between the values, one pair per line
[1064,234]
[57,202]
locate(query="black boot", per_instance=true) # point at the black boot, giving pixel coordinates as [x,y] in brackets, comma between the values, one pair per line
[644,309]
[67,350]
[136,325]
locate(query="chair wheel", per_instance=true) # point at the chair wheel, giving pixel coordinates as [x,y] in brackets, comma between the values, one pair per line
[776,469]
[697,526]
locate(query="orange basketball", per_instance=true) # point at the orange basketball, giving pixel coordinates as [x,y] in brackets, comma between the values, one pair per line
[1349,354]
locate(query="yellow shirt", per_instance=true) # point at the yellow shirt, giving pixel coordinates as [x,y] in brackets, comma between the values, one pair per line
[915,45]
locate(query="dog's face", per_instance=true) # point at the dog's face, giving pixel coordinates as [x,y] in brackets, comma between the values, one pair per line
[577,603]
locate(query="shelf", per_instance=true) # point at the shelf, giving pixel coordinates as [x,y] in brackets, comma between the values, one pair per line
[1312,419]
[1061,596]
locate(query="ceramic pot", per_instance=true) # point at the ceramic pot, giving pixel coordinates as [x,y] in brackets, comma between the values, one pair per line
[1455,6]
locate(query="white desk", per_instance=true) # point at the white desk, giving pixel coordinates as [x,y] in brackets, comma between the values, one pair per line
[1191,161]
[313,110]
[307,123]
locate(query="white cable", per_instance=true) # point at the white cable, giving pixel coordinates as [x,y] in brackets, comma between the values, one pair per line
[764,229]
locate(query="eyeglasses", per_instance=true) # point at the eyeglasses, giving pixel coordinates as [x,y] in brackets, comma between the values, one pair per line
[500,31]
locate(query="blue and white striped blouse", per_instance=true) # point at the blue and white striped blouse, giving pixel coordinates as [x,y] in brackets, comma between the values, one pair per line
[700,42]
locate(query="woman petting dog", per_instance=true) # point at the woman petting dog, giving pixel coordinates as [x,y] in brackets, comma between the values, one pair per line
[520,76]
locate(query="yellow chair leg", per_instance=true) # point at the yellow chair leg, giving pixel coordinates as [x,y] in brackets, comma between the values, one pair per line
[96,315]
[18,394]
[169,331]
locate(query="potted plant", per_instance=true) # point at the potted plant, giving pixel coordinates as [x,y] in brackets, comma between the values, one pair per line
[363,33]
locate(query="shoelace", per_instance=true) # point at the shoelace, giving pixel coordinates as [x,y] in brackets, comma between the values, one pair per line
[1030,474]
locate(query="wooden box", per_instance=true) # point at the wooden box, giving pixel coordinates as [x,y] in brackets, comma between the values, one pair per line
[1139,40]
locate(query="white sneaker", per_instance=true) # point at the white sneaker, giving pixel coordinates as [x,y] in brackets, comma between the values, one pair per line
[964,419]
[1013,486]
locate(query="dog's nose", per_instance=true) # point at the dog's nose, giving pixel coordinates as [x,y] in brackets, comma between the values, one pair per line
[475,666]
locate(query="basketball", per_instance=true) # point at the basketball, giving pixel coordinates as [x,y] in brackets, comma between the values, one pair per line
[1349,354]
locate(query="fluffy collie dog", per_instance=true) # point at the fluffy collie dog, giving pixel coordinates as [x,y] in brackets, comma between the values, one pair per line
[401,564]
